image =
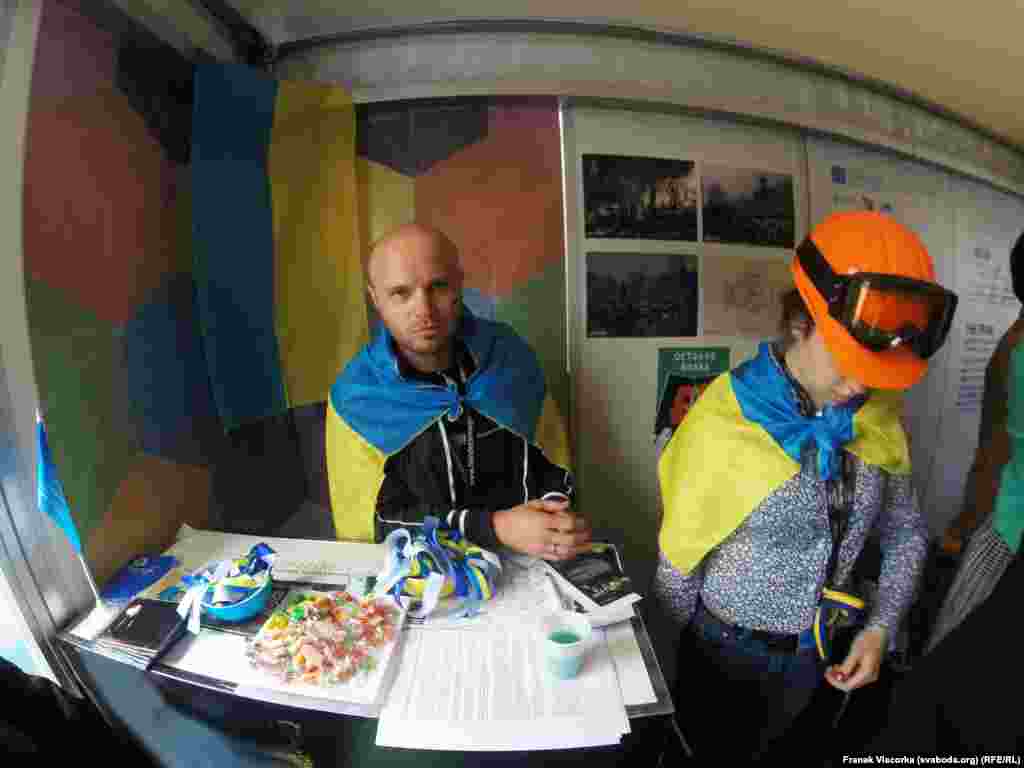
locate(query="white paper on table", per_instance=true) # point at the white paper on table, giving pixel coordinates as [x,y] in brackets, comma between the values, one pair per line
[610,616]
[522,590]
[634,680]
[305,560]
[491,690]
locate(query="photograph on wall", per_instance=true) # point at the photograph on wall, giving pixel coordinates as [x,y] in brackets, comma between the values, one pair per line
[742,295]
[640,197]
[748,207]
[642,294]
[683,375]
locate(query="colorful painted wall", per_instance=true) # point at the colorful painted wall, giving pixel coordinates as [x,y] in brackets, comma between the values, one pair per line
[487,172]
[119,367]
[120,359]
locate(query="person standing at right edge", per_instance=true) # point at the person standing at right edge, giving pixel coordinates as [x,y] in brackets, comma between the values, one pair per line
[775,479]
[987,530]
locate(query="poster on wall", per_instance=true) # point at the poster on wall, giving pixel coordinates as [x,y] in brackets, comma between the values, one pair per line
[985,277]
[639,197]
[986,310]
[642,294]
[742,295]
[683,374]
[748,206]
[988,307]
[855,189]
[978,342]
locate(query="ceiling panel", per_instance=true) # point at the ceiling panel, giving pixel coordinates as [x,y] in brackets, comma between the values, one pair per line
[956,55]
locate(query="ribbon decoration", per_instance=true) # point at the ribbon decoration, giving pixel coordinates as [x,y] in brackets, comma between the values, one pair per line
[225,582]
[437,563]
[836,609]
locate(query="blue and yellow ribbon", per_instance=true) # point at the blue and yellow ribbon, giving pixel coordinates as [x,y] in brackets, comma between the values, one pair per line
[835,609]
[434,564]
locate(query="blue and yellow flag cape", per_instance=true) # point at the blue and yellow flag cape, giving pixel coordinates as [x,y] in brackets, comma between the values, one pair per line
[275,239]
[721,464]
[374,413]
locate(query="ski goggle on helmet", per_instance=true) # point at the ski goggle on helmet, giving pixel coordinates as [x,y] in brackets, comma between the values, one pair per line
[869,285]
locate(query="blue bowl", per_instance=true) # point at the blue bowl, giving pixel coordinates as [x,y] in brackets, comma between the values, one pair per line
[247,609]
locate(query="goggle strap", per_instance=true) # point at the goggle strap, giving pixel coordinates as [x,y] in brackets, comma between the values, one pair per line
[819,272]
[831,287]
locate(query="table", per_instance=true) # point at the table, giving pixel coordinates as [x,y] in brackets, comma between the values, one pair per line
[172,693]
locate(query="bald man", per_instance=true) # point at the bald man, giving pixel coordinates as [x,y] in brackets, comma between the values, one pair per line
[445,414]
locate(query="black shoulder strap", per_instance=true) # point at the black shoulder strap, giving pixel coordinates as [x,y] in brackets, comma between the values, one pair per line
[840,507]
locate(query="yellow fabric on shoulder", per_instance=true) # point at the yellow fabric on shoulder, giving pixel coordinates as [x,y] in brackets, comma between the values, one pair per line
[355,473]
[551,436]
[879,438]
[718,467]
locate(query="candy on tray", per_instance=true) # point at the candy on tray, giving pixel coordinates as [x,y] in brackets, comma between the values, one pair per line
[324,638]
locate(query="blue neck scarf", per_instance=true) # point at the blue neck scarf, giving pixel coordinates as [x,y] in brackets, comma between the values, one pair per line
[767,397]
[388,410]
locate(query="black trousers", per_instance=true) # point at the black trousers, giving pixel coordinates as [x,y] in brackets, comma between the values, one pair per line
[736,698]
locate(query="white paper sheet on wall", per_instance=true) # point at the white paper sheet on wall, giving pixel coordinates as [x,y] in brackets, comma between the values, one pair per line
[985,282]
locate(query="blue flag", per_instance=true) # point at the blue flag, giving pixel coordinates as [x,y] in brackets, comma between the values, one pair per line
[49,492]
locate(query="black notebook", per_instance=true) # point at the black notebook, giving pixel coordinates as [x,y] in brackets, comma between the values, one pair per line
[146,626]
[595,578]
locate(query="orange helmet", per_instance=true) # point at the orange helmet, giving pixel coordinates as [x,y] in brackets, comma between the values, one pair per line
[869,285]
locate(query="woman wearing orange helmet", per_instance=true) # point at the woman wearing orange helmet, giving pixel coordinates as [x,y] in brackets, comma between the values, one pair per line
[779,473]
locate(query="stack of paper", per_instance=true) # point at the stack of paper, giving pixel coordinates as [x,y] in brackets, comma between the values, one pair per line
[491,690]
[142,632]
[634,679]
